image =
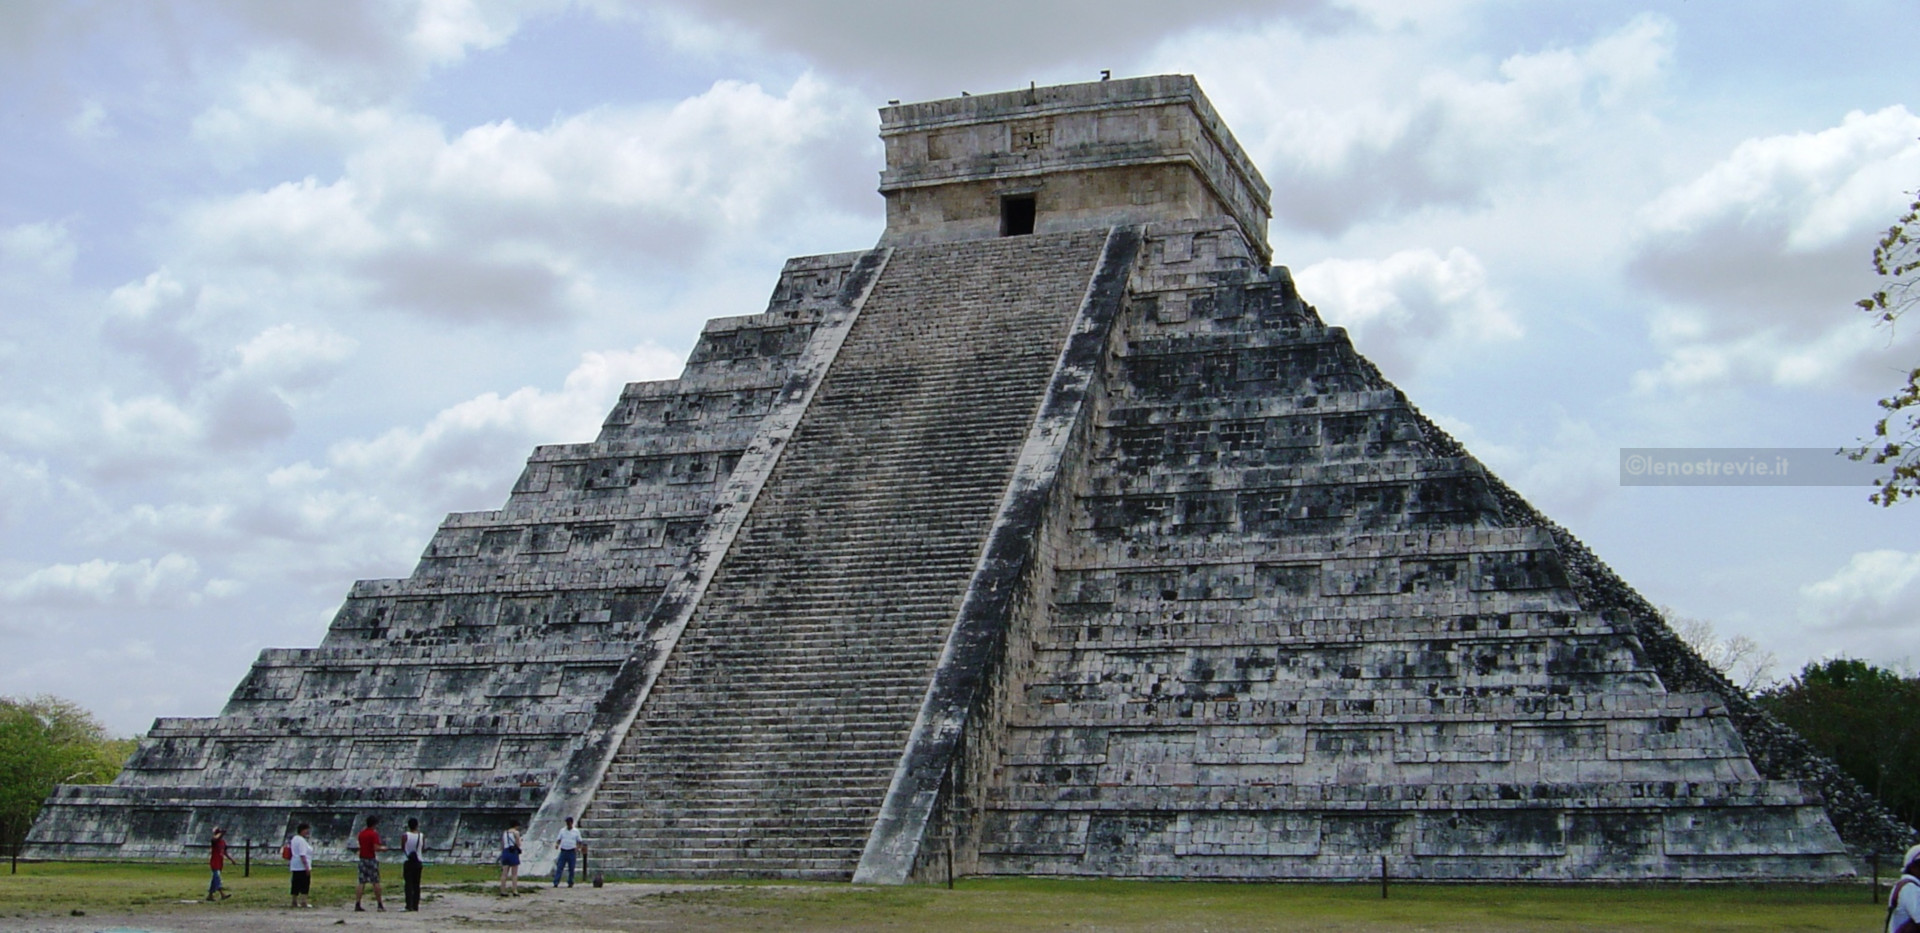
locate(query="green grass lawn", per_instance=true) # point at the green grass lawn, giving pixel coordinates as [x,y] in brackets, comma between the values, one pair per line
[1031,904]
[57,887]
[1025,904]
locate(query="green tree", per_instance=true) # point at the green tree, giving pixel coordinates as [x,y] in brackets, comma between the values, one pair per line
[46,741]
[1896,436]
[1865,718]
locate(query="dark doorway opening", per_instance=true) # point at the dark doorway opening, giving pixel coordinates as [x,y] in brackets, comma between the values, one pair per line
[1016,215]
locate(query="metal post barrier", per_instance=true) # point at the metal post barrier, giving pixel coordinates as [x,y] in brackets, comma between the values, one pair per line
[247,870]
[1383,877]
[953,823]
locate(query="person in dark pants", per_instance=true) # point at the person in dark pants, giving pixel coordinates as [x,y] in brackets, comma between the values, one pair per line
[570,846]
[413,847]
[300,865]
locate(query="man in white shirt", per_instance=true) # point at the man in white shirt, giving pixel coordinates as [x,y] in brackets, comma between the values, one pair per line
[570,847]
[300,863]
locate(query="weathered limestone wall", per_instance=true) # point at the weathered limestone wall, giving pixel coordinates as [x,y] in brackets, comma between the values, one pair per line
[455,694]
[1777,752]
[1096,155]
[1290,636]
[1065,201]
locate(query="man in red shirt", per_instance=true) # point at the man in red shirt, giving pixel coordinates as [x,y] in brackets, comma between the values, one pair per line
[370,849]
[217,861]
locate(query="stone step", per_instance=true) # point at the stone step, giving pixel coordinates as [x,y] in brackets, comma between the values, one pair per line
[794,869]
[715,824]
[689,751]
[726,773]
[796,682]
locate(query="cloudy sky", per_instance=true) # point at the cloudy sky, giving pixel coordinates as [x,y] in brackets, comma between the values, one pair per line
[281,284]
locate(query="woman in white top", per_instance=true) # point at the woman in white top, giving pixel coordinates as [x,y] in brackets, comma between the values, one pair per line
[413,848]
[510,860]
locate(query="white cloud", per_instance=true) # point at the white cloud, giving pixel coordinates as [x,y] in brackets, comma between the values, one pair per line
[290,356]
[1762,256]
[937,50]
[356,48]
[368,507]
[1876,595]
[368,40]
[156,319]
[1565,478]
[90,123]
[509,223]
[21,482]
[1412,310]
[168,580]
[141,431]
[1414,130]
[444,30]
[1794,356]
[469,446]
[41,250]
[275,111]
[217,403]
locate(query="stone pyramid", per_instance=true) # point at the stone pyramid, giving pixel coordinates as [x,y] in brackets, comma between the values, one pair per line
[1054,536]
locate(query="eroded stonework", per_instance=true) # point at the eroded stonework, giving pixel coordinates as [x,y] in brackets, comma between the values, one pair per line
[1056,533]
[455,694]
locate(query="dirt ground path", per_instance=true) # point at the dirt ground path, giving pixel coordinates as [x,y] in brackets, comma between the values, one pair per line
[623,907]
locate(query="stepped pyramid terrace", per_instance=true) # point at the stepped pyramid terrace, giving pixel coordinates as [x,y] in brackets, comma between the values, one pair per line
[1057,534]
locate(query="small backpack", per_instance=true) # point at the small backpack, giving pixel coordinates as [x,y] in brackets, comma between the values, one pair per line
[286,850]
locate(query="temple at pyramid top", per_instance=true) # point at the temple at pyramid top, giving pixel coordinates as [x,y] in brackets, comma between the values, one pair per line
[1069,157]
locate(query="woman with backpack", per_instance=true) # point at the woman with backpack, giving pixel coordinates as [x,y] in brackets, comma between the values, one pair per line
[510,860]
[413,848]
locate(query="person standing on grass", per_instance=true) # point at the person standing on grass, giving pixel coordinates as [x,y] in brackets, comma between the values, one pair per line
[370,849]
[570,847]
[413,849]
[300,864]
[217,860]
[1903,903]
[510,860]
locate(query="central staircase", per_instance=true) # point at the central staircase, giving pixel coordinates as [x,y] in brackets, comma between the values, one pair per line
[766,745]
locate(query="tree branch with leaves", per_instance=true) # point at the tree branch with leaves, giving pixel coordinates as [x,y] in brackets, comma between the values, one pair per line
[1745,663]
[1896,436]
[44,742]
